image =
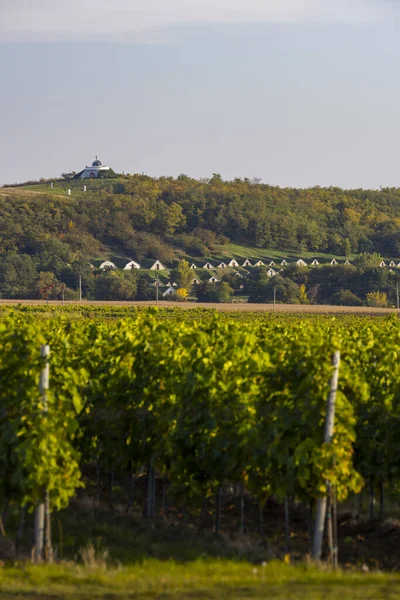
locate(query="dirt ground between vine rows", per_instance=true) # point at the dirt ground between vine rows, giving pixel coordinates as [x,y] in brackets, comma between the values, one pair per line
[239,307]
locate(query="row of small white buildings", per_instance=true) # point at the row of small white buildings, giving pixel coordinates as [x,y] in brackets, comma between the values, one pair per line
[158,266]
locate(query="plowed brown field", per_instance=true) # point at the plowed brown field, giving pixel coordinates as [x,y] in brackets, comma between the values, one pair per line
[243,307]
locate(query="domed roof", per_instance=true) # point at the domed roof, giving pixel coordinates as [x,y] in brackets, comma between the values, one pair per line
[96,163]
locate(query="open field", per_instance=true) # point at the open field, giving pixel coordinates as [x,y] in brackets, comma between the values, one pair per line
[26,192]
[199,580]
[305,309]
[60,187]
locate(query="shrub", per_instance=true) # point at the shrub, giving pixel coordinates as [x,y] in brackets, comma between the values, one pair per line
[145,291]
[345,298]
[181,295]
[365,261]
[214,292]
[191,244]
[113,285]
[377,299]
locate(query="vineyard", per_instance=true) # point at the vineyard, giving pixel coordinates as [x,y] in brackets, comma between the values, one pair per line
[190,408]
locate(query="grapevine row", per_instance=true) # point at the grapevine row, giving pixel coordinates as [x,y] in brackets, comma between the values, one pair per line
[203,403]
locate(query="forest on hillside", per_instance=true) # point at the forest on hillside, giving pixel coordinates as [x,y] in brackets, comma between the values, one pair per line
[197,214]
[144,217]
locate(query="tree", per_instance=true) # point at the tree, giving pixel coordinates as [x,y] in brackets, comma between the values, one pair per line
[170,219]
[114,285]
[259,278]
[224,292]
[346,247]
[142,244]
[54,255]
[345,298]
[145,291]
[303,294]
[377,299]
[326,280]
[191,244]
[282,288]
[182,275]
[181,294]
[365,261]
[17,275]
[234,281]
[48,287]
[297,273]
[214,292]
[79,269]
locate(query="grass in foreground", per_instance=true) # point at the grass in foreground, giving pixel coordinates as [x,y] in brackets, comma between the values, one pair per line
[198,580]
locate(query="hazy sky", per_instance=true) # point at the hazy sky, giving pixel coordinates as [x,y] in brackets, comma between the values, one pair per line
[296,92]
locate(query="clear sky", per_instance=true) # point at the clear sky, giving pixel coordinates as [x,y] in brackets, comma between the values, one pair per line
[295,92]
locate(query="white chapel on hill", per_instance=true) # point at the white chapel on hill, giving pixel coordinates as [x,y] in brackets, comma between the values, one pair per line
[96,170]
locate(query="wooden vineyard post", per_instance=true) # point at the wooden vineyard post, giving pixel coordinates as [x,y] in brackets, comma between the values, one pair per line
[287,526]
[329,422]
[42,511]
[48,550]
[371,500]
[218,498]
[39,532]
[335,532]
[330,525]
[150,508]
[242,524]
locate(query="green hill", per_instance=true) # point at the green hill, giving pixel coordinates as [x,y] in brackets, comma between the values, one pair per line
[197,216]
[49,229]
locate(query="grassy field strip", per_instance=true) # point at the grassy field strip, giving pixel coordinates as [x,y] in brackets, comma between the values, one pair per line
[198,580]
[242,251]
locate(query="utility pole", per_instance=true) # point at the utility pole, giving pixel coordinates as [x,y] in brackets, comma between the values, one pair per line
[157,288]
[274,297]
[43,506]
[80,288]
[328,434]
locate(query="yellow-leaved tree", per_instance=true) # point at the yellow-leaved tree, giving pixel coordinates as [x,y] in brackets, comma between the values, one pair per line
[181,294]
[377,299]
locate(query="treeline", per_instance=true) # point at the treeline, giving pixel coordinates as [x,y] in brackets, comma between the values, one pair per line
[27,277]
[316,219]
[358,284]
[362,283]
